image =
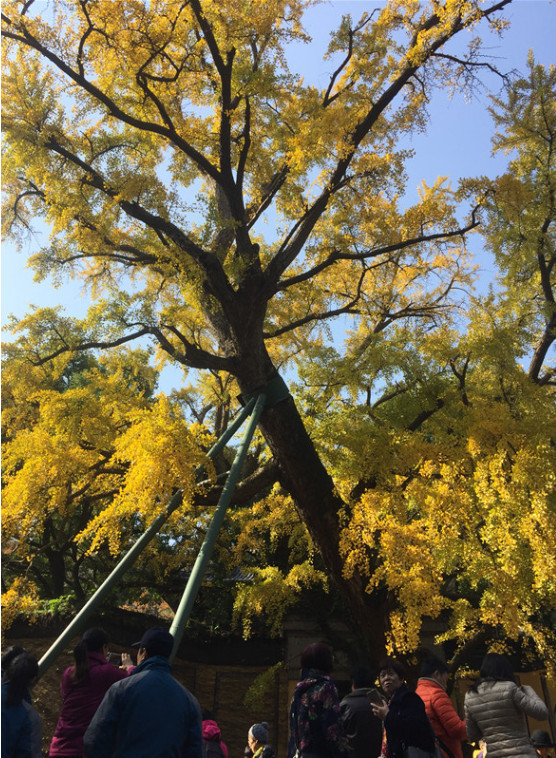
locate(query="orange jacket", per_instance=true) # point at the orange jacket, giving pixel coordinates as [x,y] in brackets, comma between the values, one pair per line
[445,721]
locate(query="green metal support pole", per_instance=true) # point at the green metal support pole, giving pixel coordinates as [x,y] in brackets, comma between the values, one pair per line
[196,577]
[52,653]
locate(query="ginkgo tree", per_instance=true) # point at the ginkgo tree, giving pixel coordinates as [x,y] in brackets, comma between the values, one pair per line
[89,454]
[156,139]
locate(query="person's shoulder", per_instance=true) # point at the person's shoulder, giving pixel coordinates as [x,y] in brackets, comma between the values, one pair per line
[67,676]
[409,696]
[106,671]
[426,686]
[349,697]
[503,687]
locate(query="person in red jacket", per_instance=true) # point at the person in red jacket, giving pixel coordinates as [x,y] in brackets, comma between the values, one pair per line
[83,687]
[431,687]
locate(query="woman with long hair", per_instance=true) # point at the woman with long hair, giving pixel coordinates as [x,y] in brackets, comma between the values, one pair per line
[21,724]
[496,708]
[83,687]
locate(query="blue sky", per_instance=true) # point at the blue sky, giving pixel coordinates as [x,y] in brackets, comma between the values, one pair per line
[456,143]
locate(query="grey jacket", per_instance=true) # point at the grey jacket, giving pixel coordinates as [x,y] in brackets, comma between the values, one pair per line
[496,714]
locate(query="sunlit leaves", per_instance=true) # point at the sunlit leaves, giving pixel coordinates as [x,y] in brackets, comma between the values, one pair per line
[161,455]
[21,599]
[236,213]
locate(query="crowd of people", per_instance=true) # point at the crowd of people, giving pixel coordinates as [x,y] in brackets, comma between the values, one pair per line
[123,709]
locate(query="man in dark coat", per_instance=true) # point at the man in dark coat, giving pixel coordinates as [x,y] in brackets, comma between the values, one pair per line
[149,714]
[362,729]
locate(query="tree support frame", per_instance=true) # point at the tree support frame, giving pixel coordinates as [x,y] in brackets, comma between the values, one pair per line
[254,404]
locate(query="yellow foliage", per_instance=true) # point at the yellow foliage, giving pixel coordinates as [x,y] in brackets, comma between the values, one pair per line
[272,593]
[21,599]
[163,454]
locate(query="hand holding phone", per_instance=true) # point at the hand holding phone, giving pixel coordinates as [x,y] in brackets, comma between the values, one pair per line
[380,709]
[127,661]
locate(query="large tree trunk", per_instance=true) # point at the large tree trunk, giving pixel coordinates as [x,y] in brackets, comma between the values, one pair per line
[304,476]
[306,479]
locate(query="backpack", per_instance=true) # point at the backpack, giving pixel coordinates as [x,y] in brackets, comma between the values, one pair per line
[212,749]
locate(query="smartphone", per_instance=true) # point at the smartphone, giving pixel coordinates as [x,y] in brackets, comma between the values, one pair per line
[376,697]
[115,658]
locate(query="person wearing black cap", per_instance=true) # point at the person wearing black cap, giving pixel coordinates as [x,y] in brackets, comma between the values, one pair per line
[542,743]
[149,714]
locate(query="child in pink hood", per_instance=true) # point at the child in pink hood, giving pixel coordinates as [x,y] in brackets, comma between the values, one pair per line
[212,738]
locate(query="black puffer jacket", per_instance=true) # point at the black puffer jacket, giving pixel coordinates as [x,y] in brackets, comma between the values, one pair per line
[496,713]
[407,723]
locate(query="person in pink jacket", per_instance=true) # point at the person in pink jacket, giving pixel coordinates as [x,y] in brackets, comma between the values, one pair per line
[83,688]
[212,737]
[448,727]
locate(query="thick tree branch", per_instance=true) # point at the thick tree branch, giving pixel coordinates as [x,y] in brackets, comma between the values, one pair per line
[192,356]
[209,263]
[295,241]
[336,255]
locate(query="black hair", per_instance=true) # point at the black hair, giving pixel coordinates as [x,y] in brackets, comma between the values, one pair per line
[319,656]
[391,664]
[432,664]
[8,656]
[497,667]
[92,642]
[19,676]
[361,676]
[207,715]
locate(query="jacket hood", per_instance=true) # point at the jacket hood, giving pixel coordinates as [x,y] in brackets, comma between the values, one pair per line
[211,731]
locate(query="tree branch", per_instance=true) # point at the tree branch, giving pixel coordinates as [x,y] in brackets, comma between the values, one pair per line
[295,241]
[26,38]
[336,255]
[192,356]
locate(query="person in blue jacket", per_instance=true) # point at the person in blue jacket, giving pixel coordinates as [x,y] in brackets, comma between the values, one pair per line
[21,724]
[149,714]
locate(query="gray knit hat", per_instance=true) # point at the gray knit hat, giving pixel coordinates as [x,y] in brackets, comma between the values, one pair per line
[259,732]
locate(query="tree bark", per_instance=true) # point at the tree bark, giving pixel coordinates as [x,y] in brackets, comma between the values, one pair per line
[303,474]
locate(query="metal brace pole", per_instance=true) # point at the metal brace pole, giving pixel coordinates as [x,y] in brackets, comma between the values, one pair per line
[52,653]
[196,577]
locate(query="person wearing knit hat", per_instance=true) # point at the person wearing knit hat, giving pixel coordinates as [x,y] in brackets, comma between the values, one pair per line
[257,740]
[541,742]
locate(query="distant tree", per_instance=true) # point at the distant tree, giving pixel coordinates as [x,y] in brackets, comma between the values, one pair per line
[85,446]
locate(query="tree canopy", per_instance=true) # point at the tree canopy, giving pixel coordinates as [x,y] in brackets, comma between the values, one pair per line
[218,205]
